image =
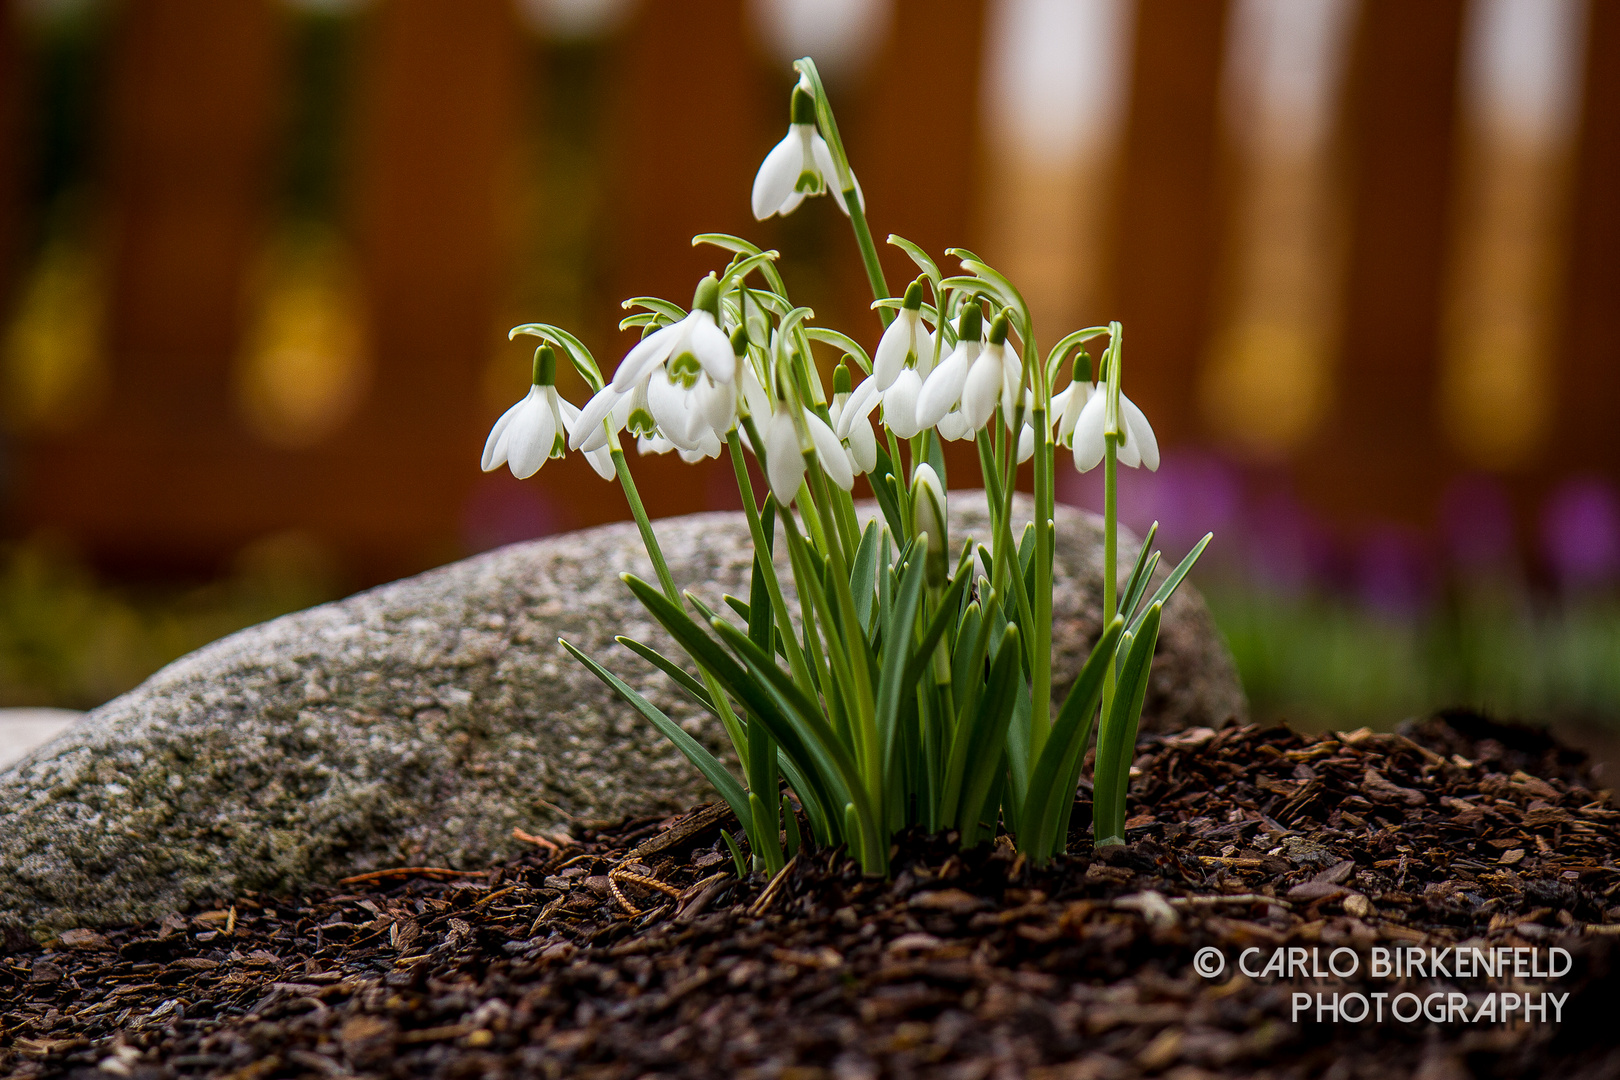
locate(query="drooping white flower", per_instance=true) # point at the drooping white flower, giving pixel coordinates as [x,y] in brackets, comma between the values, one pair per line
[995,376]
[601,458]
[954,425]
[1067,403]
[942,390]
[531,431]
[905,341]
[799,165]
[692,349]
[784,462]
[1139,446]
[900,404]
[848,414]
[829,451]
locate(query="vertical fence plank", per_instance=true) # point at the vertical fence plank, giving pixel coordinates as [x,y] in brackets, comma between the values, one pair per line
[188,178]
[917,158]
[1588,387]
[687,129]
[1166,234]
[1377,456]
[189,129]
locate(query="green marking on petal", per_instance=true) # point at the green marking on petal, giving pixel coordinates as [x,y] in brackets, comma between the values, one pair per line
[685,369]
[642,424]
[809,183]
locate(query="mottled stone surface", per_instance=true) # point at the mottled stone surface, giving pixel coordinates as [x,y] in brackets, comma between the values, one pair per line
[420,721]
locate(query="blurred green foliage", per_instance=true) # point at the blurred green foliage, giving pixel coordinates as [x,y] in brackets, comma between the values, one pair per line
[69,640]
[1319,660]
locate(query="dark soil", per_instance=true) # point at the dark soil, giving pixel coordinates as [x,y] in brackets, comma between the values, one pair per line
[635,951]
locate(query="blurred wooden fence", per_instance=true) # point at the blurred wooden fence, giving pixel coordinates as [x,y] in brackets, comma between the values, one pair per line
[441,203]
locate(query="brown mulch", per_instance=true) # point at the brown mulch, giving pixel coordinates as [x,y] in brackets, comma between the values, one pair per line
[634,951]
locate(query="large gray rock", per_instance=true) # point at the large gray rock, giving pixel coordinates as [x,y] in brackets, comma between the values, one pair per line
[419,722]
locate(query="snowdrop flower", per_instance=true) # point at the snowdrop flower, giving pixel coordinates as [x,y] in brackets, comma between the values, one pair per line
[532,430]
[1067,403]
[996,375]
[785,457]
[860,444]
[692,347]
[799,165]
[954,425]
[906,340]
[1138,447]
[943,387]
[928,508]
[600,458]
[900,403]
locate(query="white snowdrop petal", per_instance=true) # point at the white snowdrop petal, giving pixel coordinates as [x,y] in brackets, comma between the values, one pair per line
[712,348]
[784,463]
[897,341]
[1026,444]
[980,389]
[862,400]
[829,451]
[773,184]
[647,354]
[1088,434]
[1130,453]
[1140,433]
[900,404]
[943,387]
[589,433]
[954,425]
[530,437]
[754,398]
[494,457]
[717,404]
[829,171]
[863,447]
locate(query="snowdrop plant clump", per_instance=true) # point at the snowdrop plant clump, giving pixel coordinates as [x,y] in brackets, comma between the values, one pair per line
[910,680]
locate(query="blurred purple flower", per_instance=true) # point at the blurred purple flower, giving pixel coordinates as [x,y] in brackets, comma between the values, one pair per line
[1392,575]
[1287,548]
[1580,532]
[1191,494]
[1476,522]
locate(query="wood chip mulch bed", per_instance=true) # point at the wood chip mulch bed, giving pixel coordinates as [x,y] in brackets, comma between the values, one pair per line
[635,952]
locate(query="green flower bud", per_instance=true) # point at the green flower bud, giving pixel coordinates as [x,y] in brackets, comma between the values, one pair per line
[706,297]
[928,503]
[913,300]
[1083,368]
[970,322]
[841,379]
[545,366]
[739,340]
[998,328]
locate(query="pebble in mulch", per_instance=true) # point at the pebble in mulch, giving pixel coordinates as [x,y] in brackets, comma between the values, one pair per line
[635,951]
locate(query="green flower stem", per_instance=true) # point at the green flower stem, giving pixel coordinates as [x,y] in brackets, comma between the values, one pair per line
[846,183]
[869,255]
[861,682]
[649,539]
[784,623]
[1041,630]
[734,727]
[1110,550]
